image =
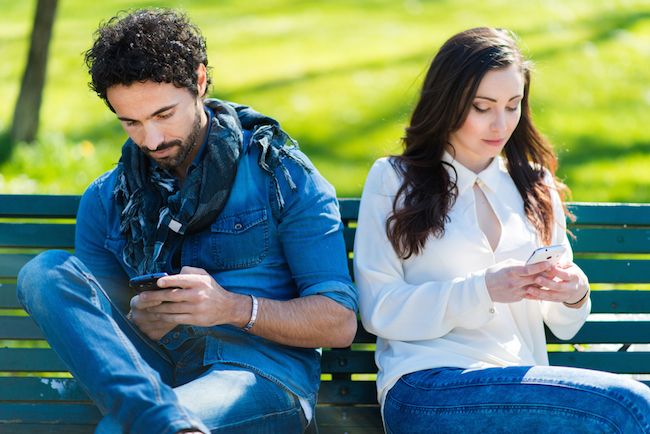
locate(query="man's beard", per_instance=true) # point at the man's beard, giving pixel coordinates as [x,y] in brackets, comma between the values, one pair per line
[185,147]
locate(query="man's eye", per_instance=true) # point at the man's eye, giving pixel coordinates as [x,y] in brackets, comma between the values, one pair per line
[165,115]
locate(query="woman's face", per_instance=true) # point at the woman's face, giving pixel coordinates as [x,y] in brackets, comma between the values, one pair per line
[492,118]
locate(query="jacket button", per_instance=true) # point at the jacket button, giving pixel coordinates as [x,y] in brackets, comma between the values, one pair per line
[238,226]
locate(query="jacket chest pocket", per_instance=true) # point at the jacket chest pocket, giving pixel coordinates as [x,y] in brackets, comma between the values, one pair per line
[240,240]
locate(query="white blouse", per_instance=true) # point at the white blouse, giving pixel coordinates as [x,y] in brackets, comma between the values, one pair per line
[433,309]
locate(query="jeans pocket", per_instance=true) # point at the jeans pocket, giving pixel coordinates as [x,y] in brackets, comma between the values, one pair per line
[240,240]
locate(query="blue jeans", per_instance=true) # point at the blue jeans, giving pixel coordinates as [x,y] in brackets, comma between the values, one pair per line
[518,399]
[139,385]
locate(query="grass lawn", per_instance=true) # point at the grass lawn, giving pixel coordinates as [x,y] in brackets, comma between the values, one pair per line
[342,77]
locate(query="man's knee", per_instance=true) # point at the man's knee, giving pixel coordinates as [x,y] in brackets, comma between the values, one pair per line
[40,275]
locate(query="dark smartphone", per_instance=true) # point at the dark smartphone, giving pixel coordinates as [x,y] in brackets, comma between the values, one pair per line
[146,282]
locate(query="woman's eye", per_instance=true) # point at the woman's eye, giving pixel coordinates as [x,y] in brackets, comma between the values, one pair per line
[479,109]
[512,109]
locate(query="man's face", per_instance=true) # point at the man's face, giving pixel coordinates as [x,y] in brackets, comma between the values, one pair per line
[165,121]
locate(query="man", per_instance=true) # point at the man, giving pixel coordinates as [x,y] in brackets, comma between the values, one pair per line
[216,195]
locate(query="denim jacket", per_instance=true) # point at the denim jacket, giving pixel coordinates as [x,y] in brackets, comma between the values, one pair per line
[253,247]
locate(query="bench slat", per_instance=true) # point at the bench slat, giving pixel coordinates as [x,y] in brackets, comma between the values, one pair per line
[11,263]
[602,301]
[30,359]
[615,270]
[608,240]
[602,213]
[623,331]
[8,298]
[50,413]
[68,390]
[38,205]
[620,301]
[357,420]
[349,208]
[346,361]
[347,392]
[609,332]
[45,389]
[30,428]
[19,327]
[617,362]
[48,236]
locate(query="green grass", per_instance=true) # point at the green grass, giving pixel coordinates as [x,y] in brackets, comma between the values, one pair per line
[342,77]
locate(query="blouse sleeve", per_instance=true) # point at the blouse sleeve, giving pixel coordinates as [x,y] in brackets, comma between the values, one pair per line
[563,321]
[390,306]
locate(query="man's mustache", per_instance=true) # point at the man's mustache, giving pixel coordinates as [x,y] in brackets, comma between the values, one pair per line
[164,146]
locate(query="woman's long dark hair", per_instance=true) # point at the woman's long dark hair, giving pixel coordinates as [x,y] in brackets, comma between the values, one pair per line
[427,193]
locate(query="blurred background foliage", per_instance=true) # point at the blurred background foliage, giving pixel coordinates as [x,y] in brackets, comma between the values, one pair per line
[342,77]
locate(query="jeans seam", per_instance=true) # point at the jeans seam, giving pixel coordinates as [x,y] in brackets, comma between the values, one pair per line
[617,399]
[296,410]
[125,341]
[475,408]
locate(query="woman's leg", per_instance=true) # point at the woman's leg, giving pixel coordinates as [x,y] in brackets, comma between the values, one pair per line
[539,399]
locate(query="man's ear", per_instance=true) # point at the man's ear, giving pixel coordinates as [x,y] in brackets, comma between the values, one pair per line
[201,80]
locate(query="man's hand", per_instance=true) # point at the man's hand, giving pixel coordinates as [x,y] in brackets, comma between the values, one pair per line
[196,299]
[146,321]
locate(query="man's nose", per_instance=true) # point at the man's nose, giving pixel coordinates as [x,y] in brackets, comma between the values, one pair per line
[153,137]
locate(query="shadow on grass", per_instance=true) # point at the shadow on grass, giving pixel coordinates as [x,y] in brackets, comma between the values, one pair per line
[588,149]
[601,29]
[333,147]
[423,56]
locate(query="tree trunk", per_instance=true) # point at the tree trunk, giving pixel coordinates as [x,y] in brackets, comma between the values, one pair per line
[28,105]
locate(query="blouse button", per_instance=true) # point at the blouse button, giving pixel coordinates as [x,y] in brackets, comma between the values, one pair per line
[238,226]
[491,310]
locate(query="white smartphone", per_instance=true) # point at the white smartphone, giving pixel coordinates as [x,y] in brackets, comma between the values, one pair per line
[551,254]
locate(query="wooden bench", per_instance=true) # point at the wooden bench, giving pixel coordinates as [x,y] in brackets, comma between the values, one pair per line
[38,396]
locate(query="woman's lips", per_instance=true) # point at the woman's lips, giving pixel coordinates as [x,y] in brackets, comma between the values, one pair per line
[494,142]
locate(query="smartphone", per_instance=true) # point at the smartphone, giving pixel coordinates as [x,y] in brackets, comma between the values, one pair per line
[146,282]
[551,254]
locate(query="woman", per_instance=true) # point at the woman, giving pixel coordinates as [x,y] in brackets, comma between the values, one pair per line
[443,234]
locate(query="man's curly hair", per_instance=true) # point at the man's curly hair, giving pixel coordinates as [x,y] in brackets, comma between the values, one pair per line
[158,45]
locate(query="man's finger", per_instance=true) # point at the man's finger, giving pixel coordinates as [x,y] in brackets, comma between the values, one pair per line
[193,270]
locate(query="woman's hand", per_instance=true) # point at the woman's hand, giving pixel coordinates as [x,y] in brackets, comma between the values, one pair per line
[510,281]
[565,283]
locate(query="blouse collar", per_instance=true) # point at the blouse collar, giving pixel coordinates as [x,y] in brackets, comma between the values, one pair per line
[489,177]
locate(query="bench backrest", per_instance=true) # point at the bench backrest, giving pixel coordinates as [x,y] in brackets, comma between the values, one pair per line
[612,245]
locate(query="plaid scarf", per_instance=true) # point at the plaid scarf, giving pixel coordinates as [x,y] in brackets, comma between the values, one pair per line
[155,213]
